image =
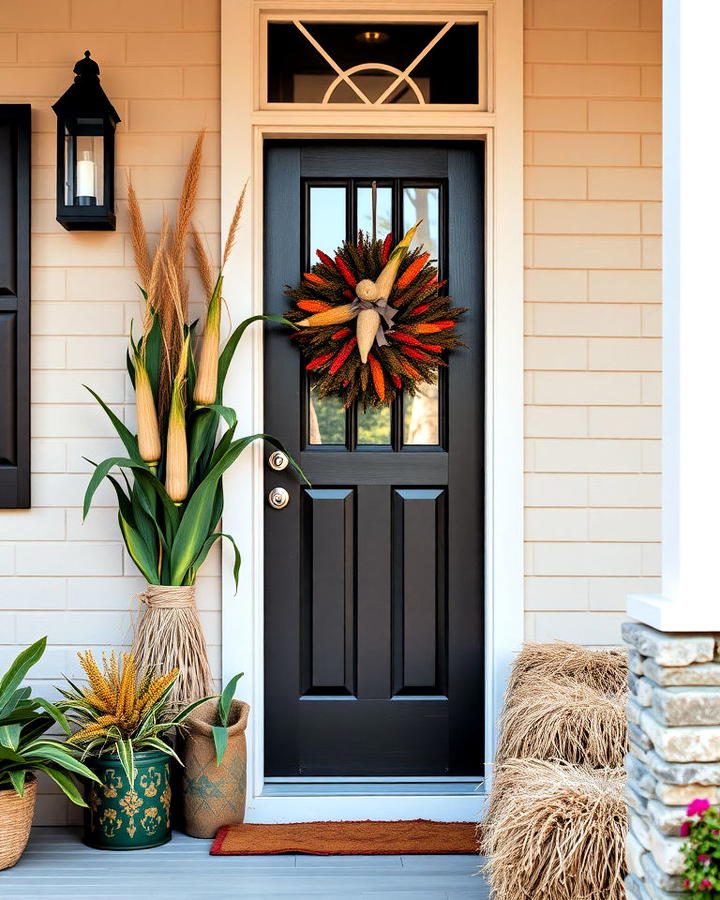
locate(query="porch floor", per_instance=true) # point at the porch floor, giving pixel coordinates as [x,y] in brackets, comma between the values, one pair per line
[57,864]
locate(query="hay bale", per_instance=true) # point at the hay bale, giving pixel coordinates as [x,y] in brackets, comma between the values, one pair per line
[556,832]
[603,670]
[564,720]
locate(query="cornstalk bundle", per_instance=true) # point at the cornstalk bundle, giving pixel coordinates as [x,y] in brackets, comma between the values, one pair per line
[170,495]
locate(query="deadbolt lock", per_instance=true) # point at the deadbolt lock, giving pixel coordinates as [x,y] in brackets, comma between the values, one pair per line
[278,498]
[278,461]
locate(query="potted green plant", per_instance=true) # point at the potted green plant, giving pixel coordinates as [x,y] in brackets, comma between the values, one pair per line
[215,758]
[123,730]
[24,750]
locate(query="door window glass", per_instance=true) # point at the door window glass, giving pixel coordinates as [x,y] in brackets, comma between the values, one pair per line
[373,426]
[326,419]
[421,416]
[383,211]
[327,219]
[422,204]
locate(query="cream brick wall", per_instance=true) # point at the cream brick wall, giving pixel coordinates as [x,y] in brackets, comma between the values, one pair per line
[592,351]
[160,66]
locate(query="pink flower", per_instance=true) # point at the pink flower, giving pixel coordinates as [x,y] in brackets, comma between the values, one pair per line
[686,884]
[703,859]
[685,829]
[698,807]
[705,883]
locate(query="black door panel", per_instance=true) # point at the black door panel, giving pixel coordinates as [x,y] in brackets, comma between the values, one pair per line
[373,577]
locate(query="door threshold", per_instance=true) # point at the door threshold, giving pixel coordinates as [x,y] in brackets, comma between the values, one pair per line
[371,788]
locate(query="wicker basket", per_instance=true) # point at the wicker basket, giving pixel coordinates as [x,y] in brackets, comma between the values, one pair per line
[16,815]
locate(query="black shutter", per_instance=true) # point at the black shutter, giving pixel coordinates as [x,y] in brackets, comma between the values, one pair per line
[14,305]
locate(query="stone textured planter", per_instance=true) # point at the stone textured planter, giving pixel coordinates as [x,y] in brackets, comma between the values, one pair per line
[214,795]
[121,816]
[674,727]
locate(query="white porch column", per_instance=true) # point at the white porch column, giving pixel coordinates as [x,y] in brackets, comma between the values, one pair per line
[690,598]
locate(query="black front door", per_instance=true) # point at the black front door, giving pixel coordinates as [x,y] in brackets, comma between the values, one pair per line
[373,576]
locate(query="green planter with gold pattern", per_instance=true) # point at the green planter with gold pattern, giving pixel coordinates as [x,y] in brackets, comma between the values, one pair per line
[121,816]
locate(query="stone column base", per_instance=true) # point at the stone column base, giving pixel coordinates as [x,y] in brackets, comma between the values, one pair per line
[674,728]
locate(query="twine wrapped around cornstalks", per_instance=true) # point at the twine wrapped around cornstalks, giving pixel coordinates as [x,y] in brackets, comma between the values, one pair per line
[169,635]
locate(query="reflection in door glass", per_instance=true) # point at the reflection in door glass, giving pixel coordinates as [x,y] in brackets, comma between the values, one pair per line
[421,416]
[384,210]
[326,416]
[327,219]
[373,426]
[423,203]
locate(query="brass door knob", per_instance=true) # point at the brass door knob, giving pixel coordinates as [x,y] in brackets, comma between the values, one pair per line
[278,498]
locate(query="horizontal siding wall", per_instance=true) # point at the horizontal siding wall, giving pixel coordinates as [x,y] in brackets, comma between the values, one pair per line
[593,304]
[592,291]
[159,63]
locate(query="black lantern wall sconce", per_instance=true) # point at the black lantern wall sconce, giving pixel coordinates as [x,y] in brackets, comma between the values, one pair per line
[86,152]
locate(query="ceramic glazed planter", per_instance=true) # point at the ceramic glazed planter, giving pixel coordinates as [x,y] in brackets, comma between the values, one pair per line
[121,816]
[16,815]
[214,795]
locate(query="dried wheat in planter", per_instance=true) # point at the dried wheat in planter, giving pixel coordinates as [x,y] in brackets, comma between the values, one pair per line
[604,670]
[558,832]
[564,720]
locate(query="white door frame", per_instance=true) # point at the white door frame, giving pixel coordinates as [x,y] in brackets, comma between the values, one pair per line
[245,126]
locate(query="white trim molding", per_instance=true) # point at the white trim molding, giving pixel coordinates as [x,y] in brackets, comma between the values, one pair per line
[245,127]
[691,321]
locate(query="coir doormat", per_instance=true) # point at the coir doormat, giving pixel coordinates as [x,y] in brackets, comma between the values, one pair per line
[347,838]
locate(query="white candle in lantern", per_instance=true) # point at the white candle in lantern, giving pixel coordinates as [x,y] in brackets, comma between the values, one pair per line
[86,176]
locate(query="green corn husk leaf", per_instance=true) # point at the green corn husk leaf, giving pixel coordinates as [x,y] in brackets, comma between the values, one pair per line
[231,346]
[141,554]
[124,433]
[200,558]
[196,522]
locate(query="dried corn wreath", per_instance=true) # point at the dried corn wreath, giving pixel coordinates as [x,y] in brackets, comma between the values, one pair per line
[372,321]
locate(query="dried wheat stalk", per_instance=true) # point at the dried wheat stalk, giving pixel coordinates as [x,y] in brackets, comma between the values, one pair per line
[204,266]
[556,832]
[183,219]
[232,231]
[138,236]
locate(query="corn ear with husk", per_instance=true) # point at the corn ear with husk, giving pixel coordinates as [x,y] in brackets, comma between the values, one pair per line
[386,279]
[207,374]
[368,322]
[148,429]
[176,463]
[334,316]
